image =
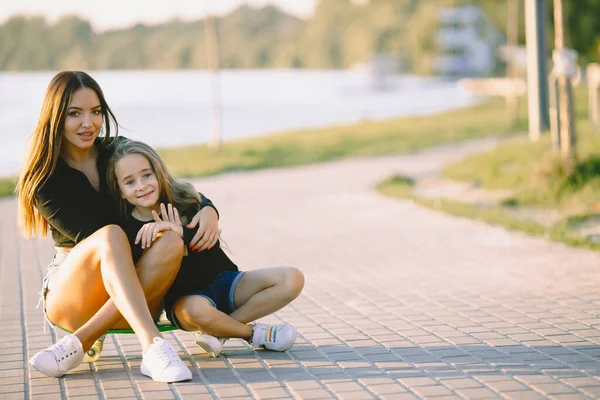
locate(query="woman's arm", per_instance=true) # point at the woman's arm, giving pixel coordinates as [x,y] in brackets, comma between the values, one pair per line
[205,202]
[207,221]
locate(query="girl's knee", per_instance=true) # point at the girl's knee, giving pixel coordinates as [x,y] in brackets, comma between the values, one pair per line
[293,281]
[194,310]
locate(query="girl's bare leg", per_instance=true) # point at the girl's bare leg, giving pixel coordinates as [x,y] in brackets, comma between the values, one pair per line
[262,292]
[98,269]
[258,293]
[196,313]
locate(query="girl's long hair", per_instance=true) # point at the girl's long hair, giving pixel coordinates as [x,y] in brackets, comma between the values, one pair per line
[46,141]
[181,195]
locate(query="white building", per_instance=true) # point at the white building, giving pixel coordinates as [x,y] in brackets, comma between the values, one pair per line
[467,40]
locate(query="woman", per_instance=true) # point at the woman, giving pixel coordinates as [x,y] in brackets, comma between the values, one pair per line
[92,282]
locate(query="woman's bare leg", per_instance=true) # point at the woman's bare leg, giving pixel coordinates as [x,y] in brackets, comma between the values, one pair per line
[258,293]
[156,270]
[99,268]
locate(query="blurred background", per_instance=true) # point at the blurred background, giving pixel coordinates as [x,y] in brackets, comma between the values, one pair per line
[194,72]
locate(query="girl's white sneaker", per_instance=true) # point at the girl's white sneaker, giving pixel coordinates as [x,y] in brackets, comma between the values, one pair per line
[274,337]
[211,344]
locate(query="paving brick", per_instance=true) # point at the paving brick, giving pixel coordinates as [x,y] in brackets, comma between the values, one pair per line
[477,393]
[569,396]
[347,386]
[313,394]
[355,395]
[432,391]
[504,386]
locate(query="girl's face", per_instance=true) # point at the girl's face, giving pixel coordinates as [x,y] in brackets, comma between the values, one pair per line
[137,182]
[83,120]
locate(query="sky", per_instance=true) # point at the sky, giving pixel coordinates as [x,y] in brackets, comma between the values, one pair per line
[110,14]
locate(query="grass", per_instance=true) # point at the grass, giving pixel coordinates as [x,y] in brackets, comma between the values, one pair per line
[368,138]
[397,186]
[318,145]
[538,179]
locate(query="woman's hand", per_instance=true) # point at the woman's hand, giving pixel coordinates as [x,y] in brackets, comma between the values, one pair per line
[208,230]
[150,231]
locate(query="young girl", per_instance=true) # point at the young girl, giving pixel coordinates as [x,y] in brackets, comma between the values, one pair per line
[209,294]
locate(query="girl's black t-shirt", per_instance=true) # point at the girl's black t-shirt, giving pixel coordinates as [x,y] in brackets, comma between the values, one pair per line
[198,269]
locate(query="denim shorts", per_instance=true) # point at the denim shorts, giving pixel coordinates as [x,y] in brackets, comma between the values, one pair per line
[57,260]
[219,292]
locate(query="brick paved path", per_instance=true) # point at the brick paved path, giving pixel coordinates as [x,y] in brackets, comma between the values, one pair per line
[400,301]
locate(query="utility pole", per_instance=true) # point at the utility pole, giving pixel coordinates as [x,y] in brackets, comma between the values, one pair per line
[564,69]
[512,39]
[537,78]
[212,55]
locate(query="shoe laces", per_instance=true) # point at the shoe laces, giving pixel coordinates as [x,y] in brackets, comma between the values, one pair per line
[63,349]
[165,351]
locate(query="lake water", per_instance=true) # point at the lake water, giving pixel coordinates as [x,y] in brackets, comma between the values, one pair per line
[174,108]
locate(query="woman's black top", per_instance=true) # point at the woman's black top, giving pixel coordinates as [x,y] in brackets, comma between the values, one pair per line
[72,206]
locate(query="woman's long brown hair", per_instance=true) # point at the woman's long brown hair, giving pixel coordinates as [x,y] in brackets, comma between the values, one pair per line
[45,144]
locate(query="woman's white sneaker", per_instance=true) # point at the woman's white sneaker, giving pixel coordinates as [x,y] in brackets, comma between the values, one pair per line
[59,358]
[274,337]
[162,364]
[211,344]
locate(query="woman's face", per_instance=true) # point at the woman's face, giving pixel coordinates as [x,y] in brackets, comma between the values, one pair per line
[83,120]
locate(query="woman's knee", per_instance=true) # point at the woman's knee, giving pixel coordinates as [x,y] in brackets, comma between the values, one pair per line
[112,235]
[169,246]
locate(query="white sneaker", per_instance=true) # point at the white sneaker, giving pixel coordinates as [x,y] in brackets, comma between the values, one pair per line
[162,364]
[274,337]
[57,359]
[211,344]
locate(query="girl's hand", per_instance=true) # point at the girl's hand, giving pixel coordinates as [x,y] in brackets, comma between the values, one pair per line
[169,214]
[208,230]
[150,231]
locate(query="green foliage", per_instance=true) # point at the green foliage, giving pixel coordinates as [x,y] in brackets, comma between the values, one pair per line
[7,186]
[340,34]
[583,28]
